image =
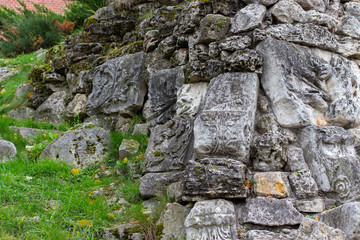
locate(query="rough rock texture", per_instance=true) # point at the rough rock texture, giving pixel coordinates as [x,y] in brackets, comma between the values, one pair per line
[211,219]
[25,132]
[270,212]
[273,184]
[81,147]
[7,150]
[171,222]
[346,218]
[315,230]
[213,27]
[214,178]
[248,18]
[230,105]
[311,206]
[303,184]
[189,98]
[127,148]
[331,156]
[153,184]
[53,109]
[119,85]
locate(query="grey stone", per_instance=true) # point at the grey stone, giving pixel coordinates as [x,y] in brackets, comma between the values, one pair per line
[22,113]
[346,218]
[353,9]
[211,219]
[235,43]
[214,178]
[163,87]
[6,73]
[76,108]
[285,234]
[7,150]
[153,184]
[127,148]
[152,40]
[270,212]
[349,26]
[23,89]
[225,7]
[295,159]
[213,27]
[247,60]
[322,19]
[53,109]
[175,191]
[248,18]
[318,5]
[312,95]
[315,230]
[170,146]
[229,108]
[119,85]
[331,156]
[82,146]
[29,133]
[180,57]
[288,11]
[168,46]
[171,222]
[141,128]
[303,184]
[80,83]
[189,98]
[204,70]
[348,47]
[121,231]
[310,206]
[54,77]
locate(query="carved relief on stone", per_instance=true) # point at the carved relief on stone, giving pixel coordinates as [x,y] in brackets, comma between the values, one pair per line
[225,126]
[119,86]
[170,146]
[211,220]
[189,98]
[309,86]
[331,156]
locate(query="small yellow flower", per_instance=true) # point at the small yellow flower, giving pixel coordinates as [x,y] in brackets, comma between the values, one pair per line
[3,91]
[4,116]
[15,137]
[44,135]
[11,179]
[75,171]
[97,181]
[82,222]
[91,202]
[125,160]
[81,185]
[111,215]
[89,223]
[6,61]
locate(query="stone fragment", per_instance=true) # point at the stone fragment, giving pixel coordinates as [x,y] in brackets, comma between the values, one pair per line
[349,26]
[295,159]
[211,219]
[168,46]
[54,77]
[81,83]
[119,85]
[7,150]
[214,178]
[288,11]
[310,206]
[189,98]
[331,157]
[273,184]
[285,234]
[270,212]
[163,86]
[353,9]
[171,222]
[318,5]
[213,27]
[151,40]
[53,109]
[323,20]
[248,18]
[127,148]
[123,231]
[22,113]
[346,218]
[82,146]
[141,128]
[76,108]
[312,95]
[226,7]
[29,133]
[225,126]
[204,71]
[180,57]
[153,184]
[23,90]
[170,146]
[315,230]
[6,73]
[235,43]
[247,60]
[303,184]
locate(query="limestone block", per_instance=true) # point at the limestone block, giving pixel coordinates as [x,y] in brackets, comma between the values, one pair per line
[318,5]
[53,109]
[189,98]
[153,184]
[7,150]
[273,184]
[310,206]
[76,108]
[213,27]
[211,219]
[248,18]
[127,148]
[303,184]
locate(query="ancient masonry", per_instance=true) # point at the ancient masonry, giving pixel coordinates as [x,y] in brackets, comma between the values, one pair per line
[253,107]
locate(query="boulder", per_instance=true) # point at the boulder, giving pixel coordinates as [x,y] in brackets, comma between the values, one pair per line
[248,18]
[353,9]
[189,98]
[22,113]
[315,230]
[119,85]
[235,43]
[225,126]
[346,218]
[127,148]
[53,109]
[213,27]
[270,212]
[76,108]
[153,184]
[81,146]
[7,150]
[318,5]
[211,219]
[310,206]
[303,184]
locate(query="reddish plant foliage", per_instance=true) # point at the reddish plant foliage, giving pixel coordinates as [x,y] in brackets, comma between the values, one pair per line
[65,27]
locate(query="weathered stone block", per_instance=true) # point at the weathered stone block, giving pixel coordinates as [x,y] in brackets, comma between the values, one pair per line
[153,184]
[273,184]
[248,18]
[211,219]
[310,206]
[7,150]
[213,27]
[189,98]
[303,184]
[127,148]
[214,178]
